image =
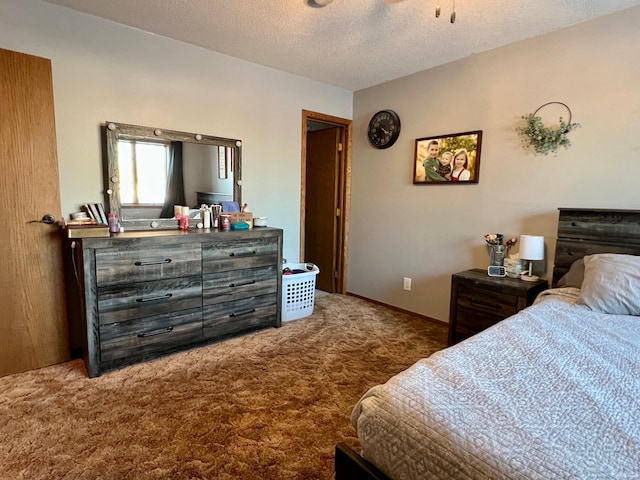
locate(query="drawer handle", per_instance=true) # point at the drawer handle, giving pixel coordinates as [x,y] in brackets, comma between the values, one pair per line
[159,262]
[155,299]
[495,306]
[239,314]
[232,285]
[155,332]
[245,254]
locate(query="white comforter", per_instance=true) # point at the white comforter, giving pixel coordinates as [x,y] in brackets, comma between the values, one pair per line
[553,392]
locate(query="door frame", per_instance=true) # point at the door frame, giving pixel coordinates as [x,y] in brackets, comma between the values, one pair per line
[344,200]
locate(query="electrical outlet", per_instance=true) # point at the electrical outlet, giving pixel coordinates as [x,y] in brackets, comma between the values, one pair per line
[406,284]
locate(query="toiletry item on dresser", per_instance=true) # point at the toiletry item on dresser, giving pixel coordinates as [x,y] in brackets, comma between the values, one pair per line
[215,221]
[240,226]
[205,215]
[260,221]
[184,219]
[114,224]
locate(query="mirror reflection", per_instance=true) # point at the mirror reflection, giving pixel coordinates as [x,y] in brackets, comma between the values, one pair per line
[150,170]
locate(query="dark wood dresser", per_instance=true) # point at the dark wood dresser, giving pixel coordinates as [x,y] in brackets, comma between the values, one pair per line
[479,301]
[146,294]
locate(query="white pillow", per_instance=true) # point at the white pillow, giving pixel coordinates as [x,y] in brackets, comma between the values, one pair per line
[611,284]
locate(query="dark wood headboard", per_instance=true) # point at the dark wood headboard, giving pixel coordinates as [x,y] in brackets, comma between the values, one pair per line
[588,231]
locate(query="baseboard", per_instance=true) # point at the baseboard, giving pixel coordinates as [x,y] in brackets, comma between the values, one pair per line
[397,309]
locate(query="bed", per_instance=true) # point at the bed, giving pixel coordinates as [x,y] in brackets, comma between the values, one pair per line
[551,392]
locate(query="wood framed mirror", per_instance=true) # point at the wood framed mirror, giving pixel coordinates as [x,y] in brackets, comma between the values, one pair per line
[148,170]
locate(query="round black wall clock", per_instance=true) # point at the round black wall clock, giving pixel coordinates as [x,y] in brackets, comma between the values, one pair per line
[384,129]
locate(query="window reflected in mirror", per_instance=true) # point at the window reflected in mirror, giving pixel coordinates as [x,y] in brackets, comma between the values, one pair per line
[143,172]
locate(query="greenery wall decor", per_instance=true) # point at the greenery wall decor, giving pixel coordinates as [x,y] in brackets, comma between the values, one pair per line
[543,139]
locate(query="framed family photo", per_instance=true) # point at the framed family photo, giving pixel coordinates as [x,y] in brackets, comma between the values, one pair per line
[448,159]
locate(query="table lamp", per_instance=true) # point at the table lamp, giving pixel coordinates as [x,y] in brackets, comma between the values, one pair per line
[531,248]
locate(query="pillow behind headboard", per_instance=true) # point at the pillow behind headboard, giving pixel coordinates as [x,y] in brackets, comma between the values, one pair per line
[575,275]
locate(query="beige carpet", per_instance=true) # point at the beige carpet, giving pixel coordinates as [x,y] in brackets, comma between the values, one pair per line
[271,405]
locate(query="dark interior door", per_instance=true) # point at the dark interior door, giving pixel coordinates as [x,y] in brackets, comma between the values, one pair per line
[321,204]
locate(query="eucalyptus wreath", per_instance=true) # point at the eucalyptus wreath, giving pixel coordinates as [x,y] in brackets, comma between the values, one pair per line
[545,139]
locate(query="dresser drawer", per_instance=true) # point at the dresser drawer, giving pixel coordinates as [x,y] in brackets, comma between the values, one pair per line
[152,334]
[487,300]
[125,265]
[117,303]
[224,319]
[470,322]
[239,254]
[236,284]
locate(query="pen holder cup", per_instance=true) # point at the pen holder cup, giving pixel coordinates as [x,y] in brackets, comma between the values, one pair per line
[496,254]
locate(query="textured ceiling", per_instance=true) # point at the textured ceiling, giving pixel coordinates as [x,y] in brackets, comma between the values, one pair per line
[351,44]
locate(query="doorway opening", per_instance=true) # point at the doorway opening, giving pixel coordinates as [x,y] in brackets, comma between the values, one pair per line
[325,197]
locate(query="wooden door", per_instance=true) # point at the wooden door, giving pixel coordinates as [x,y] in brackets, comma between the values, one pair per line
[321,204]
[33,320]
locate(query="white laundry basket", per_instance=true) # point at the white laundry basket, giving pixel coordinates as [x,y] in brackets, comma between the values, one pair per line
[298,291]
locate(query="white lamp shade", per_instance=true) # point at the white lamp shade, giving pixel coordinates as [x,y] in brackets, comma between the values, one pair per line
[531,247]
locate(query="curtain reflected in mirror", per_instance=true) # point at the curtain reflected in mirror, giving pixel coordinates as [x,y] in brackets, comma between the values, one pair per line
[174,192]
[151,170]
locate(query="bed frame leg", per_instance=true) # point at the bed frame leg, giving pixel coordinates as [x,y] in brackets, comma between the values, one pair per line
[351,466]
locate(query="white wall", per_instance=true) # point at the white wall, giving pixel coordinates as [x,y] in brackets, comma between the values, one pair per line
[429,232]
[106,72]
[103,71]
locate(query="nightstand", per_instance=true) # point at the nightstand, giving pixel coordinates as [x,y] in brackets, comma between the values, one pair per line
[479,301]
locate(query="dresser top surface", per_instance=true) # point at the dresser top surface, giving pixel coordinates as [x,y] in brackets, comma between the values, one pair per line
[194,235]
[480,275]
